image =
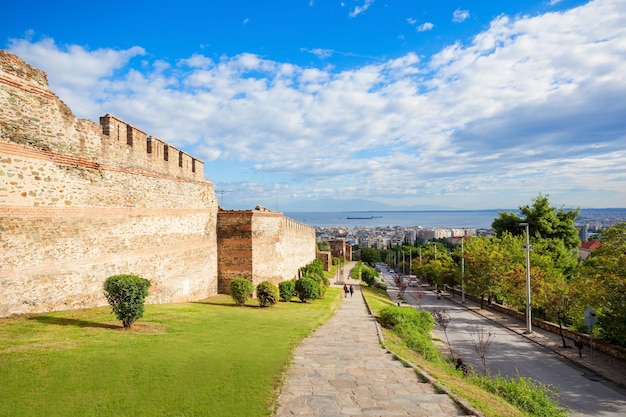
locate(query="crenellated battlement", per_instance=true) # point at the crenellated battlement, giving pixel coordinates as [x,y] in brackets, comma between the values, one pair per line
[39,119]
[125,142]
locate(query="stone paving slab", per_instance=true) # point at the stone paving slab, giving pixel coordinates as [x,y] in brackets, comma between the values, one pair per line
[342,370]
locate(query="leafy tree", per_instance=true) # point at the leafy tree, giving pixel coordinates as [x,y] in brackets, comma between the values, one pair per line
[241,290]
[559,305]
[544,221]
[606,266]
[435,263]
[370,255]
[486,265]
[323,246]
[126,294]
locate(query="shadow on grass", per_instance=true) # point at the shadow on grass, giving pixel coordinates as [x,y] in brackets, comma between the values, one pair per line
[216,303]
[60,321]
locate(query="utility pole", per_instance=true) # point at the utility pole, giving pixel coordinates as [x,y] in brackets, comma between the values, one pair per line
[221,193]
[462,271]
[527,247]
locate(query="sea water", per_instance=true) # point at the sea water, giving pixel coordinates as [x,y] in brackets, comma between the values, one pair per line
[474,219]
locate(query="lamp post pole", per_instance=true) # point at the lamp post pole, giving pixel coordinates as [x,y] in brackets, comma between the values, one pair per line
[462,271]
[529,329]
[435,246]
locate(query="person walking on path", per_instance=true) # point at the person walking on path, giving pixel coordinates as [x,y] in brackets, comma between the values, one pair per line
[579,344]
[345,290]
[351,290]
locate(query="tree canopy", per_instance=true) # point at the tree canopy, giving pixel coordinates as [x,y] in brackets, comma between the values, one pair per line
[544,221]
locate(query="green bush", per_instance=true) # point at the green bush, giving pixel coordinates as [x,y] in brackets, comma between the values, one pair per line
[393,316]
[241,290]
[532,397]
[315,268]
[286,289]
[321,289]
[267,294]
[126,294]
[414,329]
[307,289]
[368,276]
[381,285]
[419,342]
[356,271]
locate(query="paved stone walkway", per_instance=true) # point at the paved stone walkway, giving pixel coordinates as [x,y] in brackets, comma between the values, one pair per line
[342,370]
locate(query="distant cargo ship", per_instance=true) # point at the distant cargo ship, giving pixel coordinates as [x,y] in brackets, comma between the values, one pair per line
[363,218]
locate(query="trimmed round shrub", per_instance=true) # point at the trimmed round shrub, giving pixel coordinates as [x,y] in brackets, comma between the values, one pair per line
[307,289]
[126,295]
[367,275]
[241,290]
[286,289]
[267,294]
[321,289]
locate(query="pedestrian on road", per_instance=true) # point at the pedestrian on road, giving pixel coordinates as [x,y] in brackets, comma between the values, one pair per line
[345,290]
[351,290]
[579,344]
[489,303]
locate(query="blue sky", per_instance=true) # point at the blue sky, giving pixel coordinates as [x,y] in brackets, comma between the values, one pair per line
[356,104]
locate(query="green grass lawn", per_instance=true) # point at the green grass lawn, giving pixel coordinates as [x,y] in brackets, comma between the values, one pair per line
[208,358]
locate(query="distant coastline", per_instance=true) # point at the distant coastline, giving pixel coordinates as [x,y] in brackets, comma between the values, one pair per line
[474,219]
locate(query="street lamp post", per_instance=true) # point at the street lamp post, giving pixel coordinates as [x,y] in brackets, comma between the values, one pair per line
[529,329]
[462,271]
[434,243]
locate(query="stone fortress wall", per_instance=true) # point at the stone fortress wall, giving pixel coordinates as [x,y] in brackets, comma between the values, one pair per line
[261,245]
[80,202]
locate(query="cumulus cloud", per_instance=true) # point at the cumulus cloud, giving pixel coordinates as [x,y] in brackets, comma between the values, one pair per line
[424,27]
[459,16]
[530,104]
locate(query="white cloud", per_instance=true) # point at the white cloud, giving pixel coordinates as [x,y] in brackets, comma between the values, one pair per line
[531,104]
[459,16]
[361,9]
[319,52]
[424,27]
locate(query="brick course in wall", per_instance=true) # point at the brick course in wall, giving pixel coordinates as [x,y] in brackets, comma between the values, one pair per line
[261,245]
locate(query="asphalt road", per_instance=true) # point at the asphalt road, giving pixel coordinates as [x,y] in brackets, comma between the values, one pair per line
[511,354]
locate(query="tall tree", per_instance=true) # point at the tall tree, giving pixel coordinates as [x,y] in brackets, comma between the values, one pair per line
[544,222]
[486,265]
[607,265]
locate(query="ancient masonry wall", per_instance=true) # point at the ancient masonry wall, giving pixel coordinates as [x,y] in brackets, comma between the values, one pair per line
[80,202]
[262,245]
